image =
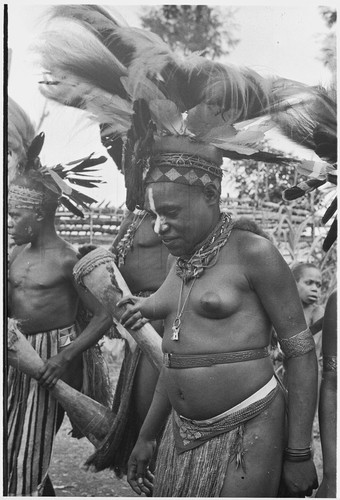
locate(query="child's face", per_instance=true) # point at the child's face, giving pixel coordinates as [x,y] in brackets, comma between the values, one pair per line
[309,285]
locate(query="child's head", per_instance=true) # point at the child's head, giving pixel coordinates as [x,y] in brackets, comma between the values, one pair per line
[308,279]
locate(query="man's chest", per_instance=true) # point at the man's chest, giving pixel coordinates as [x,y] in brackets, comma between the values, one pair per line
[34,272]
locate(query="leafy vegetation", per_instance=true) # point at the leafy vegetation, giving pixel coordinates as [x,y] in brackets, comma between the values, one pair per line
[193,28]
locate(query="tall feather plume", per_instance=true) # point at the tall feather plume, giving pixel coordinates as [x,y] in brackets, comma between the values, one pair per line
[20,133]
[307,116]
[70,50]
[138,65]
[24,148]
[313,124]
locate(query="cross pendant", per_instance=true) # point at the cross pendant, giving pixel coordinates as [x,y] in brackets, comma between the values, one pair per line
[175,328]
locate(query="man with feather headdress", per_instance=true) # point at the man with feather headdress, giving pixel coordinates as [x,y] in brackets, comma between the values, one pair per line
[227,286]
[44,300]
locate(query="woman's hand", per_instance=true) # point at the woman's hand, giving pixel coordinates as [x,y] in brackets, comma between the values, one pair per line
[132,317]
[139,476]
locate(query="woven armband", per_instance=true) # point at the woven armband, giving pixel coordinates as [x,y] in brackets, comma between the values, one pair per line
[297,454]
[329,363]
[298,345]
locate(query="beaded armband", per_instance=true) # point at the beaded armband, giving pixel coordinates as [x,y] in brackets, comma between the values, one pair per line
[329,363]
[298,345]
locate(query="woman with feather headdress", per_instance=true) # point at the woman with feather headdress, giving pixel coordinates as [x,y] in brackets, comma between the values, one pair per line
[45,301]
[227,286]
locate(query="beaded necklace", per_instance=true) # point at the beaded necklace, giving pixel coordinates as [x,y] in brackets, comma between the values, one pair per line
[126,242]
[204,257]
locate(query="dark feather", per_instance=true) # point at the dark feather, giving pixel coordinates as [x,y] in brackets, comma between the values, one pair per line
[301,189]
[35,148]
[333,178]
[330,211]
[89,162]
[331,236]
[72,208]
[82,198]
[263,156]
[83,182]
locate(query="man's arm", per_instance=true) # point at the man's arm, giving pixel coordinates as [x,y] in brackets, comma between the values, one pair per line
[328,400]
[100,322]
[139,476]
[276,288]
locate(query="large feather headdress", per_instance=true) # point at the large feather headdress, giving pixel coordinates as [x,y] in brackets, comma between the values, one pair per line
[43,184]
[142,93]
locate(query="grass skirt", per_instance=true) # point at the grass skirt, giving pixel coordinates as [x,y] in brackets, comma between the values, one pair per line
[200,470]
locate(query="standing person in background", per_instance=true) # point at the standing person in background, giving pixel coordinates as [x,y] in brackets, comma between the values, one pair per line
[44,300]
[328,400]
[142,260]
[309,280]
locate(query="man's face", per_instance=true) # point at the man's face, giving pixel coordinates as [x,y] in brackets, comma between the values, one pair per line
[309,285]
[182,215]
[22,225]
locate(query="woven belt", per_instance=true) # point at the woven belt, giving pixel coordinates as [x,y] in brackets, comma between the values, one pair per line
[198,360]
[67,335]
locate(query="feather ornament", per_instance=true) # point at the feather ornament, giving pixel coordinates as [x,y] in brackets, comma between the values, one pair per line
[58,180]
[315,169]
[211,103]
[331,236]
[73,50]
[167,116]
[20,134]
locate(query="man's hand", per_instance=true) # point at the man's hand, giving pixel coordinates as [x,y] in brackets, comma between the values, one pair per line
[300,478]
[132,317]
[52,371]
[139,476]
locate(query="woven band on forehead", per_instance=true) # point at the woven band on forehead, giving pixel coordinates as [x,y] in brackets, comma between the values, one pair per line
[184,169]
[23,197]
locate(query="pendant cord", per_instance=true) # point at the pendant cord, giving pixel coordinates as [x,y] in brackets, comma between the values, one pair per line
[177,322]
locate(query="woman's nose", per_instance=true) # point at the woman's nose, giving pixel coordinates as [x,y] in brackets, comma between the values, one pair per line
[160,226]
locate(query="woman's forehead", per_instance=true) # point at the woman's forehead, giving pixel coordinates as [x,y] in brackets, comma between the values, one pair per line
[170,192]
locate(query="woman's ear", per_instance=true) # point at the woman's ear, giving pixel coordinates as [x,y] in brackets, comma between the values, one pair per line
[211,193]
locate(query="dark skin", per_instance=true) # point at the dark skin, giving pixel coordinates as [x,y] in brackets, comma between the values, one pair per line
[328,402]
[147,253]
[231,307]
[43,295]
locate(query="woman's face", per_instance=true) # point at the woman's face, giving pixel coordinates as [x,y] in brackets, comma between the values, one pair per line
[183,216]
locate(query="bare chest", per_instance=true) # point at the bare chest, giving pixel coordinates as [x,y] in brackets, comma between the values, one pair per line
[217,294]
[29,273]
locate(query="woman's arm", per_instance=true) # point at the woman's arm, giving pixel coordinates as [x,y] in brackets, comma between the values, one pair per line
[139,476]
[277,291]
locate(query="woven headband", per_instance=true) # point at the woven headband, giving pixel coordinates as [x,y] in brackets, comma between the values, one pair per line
[183,169]
[23,197]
